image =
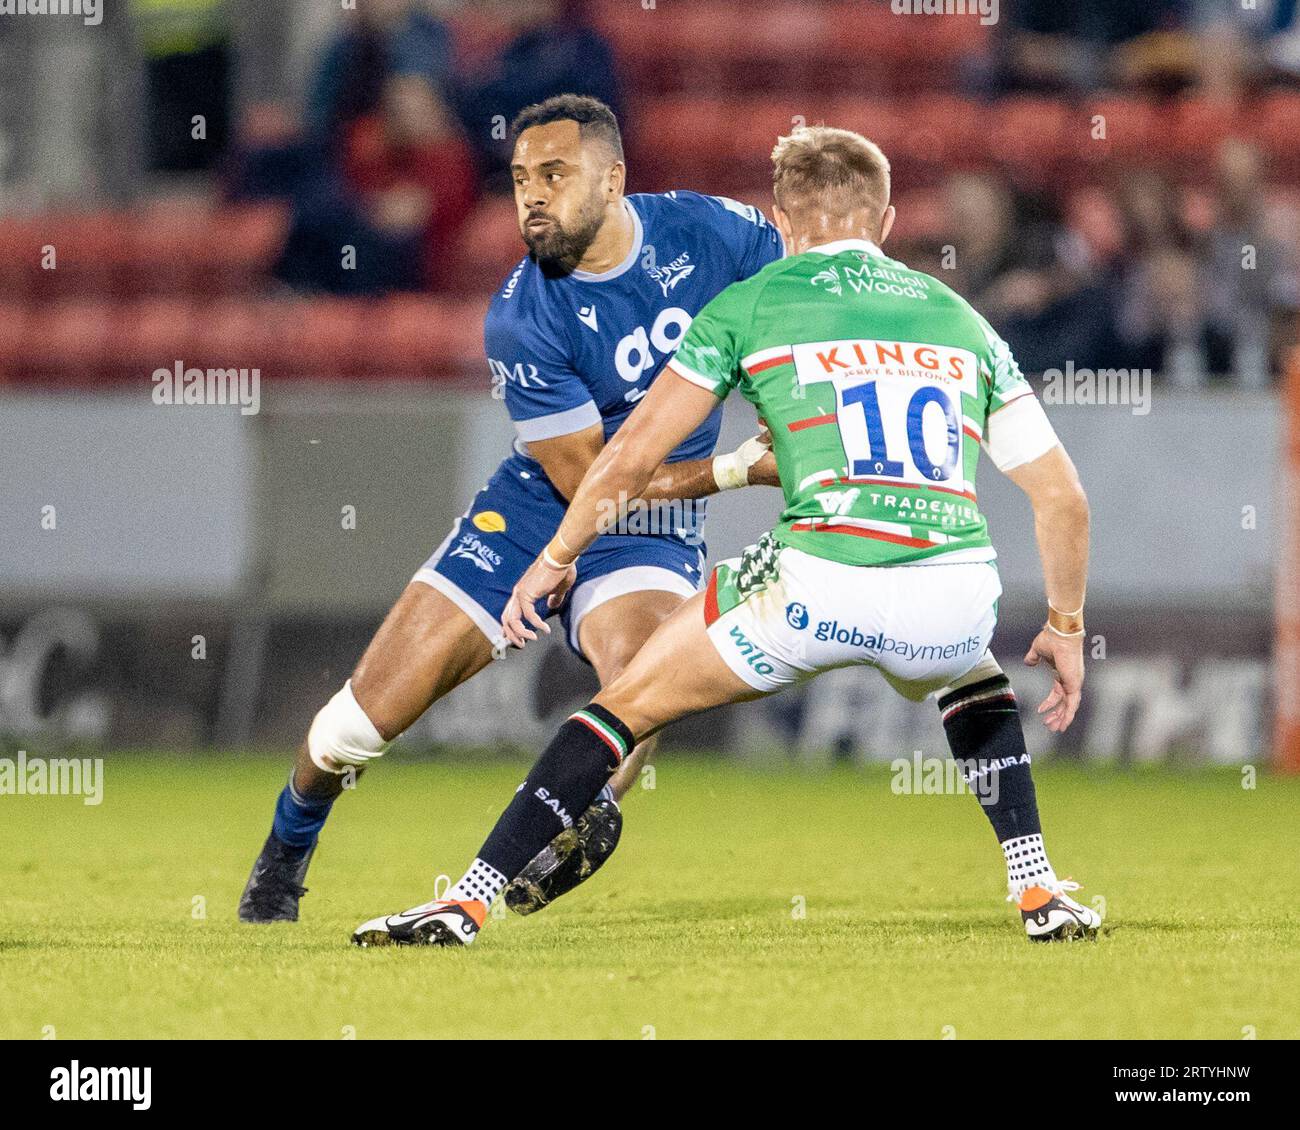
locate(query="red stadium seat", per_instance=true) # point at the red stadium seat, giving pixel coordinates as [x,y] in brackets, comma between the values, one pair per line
[1031,132]
[151,333]
[409,337]
[85,248]
[69,338]
[1276,124]
[1133,127]
[464,338]
[166,239]
[235,247]
[322,337]
[13,333]
[1196,124]
[239,333]
[20,254]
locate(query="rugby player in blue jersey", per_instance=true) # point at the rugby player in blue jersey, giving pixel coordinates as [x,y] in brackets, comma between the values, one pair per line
[574,338]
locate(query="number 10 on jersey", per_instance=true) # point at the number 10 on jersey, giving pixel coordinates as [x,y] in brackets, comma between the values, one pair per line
[896,430]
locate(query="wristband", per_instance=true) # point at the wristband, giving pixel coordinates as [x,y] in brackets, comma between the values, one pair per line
[552,562]
[1066,624]
[731,471]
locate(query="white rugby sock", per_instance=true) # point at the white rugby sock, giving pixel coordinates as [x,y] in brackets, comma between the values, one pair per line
[1027,865]
[482,881]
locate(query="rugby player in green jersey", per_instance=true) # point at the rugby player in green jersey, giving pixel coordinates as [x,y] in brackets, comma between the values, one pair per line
[879,386]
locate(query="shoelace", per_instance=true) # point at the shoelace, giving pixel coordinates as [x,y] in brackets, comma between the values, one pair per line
[1062,885]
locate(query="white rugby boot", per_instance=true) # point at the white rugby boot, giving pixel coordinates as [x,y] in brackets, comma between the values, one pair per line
[1052,916]
[442,922]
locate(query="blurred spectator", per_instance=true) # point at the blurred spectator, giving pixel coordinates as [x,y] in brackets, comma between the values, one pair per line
[1162,321]
[1159,320]
[384,38]
[1159,45]
[1018,265]
[1248,288]
[1240,41]
[188,73]
[555,50]
[402,191]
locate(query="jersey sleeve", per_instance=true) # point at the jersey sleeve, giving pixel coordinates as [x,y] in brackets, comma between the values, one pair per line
[709,355]
[1016,429]
[543,392]
[753,240]
[1005,380]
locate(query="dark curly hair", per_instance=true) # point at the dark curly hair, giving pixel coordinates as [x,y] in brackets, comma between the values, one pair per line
[594,119]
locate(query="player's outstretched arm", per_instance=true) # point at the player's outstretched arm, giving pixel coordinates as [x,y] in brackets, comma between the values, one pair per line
[1061,521]
[670,411]
[566,459]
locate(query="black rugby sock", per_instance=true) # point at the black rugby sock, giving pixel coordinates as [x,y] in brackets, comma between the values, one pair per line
[566,779]
[984,733]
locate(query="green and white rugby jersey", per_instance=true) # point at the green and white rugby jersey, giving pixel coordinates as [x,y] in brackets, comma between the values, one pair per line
[877,382]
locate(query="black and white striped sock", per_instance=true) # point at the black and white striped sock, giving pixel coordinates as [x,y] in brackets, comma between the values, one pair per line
[1027,864]
[482,882]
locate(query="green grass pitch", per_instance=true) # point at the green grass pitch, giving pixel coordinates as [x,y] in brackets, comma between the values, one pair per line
[118,920]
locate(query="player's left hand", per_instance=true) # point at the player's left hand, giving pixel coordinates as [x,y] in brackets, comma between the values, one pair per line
[1064,655]
[751,464]
[764,472]
[541,580]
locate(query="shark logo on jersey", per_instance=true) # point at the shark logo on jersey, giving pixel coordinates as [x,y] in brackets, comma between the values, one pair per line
[676,271]
[472,548]
[587,316]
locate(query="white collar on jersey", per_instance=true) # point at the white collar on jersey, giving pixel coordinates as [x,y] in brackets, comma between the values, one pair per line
[638,236]
[848,245]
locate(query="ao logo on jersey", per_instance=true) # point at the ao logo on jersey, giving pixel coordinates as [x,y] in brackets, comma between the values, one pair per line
[639,351]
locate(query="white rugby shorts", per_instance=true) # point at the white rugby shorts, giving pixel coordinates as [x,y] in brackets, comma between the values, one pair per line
[778,615]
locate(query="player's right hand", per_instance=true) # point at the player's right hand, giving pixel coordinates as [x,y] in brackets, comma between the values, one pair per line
[540,581]
[1064,655]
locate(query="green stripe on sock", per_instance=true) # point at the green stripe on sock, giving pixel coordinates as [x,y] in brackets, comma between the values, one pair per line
[615,739]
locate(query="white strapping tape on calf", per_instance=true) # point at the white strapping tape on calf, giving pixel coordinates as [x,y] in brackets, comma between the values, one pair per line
[342,735]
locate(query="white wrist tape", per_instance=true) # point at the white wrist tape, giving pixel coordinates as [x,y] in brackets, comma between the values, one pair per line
[732,470]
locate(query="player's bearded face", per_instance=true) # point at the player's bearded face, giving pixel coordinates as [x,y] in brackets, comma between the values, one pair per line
[565,240]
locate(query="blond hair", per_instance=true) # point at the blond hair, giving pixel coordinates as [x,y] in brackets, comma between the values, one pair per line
[833,170]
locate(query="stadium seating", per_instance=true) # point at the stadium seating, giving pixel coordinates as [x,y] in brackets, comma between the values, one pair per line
[189,278]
